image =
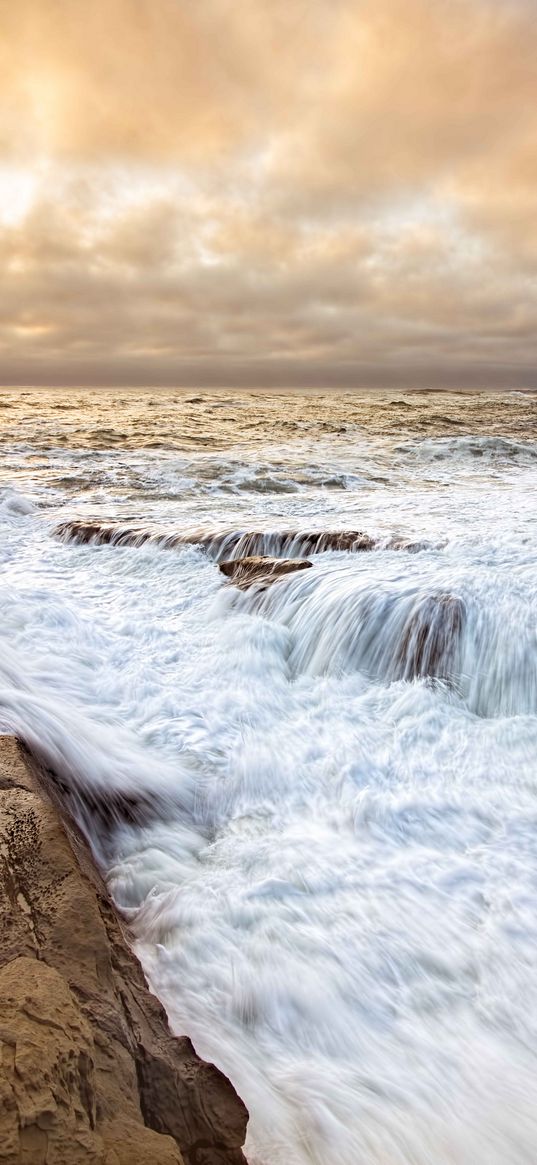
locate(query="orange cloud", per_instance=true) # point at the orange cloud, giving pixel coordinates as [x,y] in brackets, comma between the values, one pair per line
[288,191]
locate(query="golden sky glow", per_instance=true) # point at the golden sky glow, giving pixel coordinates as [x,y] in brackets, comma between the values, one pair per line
[268,192]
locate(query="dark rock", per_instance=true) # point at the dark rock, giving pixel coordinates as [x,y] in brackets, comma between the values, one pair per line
[294,543]
[260,571]
[411,546]
[431,637]
[222,545]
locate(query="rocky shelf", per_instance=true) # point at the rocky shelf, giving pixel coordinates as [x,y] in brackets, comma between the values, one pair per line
[89,1072]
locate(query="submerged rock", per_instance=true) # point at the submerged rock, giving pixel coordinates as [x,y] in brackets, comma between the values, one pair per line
[89,1071]
[431,638]
[259,570]
[293,543]
[411,545]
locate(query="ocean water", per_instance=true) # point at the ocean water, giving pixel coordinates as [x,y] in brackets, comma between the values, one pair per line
[316,805]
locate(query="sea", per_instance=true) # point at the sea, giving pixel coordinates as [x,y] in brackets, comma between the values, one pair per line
[314,802]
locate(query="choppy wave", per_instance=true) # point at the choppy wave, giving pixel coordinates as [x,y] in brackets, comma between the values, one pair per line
[13,502]
[272,479]
[491,449]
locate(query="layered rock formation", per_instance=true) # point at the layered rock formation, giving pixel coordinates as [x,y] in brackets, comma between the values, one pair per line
[220,545]
[224,545]
[89,1072]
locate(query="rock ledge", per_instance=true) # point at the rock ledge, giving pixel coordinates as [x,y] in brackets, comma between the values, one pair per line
[89,1071]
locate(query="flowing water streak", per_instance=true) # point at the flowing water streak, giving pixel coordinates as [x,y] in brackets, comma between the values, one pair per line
[317,804]
[439,625]
[221,545]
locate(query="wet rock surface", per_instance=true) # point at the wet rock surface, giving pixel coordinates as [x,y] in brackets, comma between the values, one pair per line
[220,545]
[260,570]
[431,638]
[89,1072]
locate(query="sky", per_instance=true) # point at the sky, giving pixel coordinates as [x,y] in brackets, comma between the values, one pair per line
[291,193]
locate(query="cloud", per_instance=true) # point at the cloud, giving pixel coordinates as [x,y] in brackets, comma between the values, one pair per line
[308,191]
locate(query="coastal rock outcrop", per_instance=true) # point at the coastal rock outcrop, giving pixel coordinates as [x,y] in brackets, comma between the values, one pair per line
[259,570]
[219,545]
[89,1071]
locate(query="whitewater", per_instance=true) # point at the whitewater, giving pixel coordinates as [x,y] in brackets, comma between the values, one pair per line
[315,805]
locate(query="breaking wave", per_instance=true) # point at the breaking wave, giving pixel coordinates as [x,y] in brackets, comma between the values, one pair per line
[491,449]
